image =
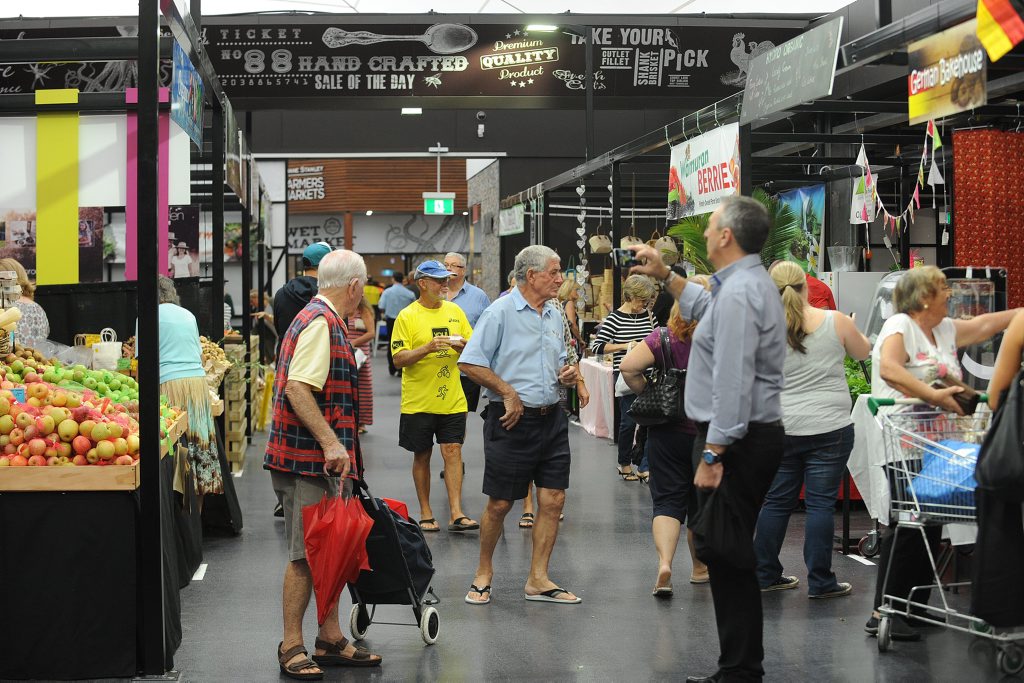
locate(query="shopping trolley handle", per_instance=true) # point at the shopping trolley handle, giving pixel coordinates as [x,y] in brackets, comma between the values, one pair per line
[876,402]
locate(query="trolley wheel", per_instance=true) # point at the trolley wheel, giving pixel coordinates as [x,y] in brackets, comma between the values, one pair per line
[884,633]
[430,625]
[359,621]
[868,546]
[1010,659]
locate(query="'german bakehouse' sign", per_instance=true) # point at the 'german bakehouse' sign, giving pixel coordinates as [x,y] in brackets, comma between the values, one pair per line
[948,72]
[317,59]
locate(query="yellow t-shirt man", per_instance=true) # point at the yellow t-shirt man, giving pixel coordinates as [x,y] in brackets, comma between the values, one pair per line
[431,385]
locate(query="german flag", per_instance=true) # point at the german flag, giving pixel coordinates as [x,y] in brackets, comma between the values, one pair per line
[1000,25]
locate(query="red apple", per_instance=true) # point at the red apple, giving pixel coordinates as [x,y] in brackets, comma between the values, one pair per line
[17,436]
[37,447]
[45,425]
[64,449]
[80,460]
[5,461]
[124,460]
[81,444]
[19,461]
[10,449]
[31,378]
[52,461]
[37,461]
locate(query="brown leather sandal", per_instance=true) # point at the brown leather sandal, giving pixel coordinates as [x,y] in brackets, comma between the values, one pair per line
[335,656]
[294,670]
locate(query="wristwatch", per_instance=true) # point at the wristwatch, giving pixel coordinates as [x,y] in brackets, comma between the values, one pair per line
[710,457]
[668,278]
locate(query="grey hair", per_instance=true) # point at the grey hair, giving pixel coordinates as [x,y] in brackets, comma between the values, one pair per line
[534,257]
[748,220]
[511,277]
[338,268]
[165,290]
[916,285]
[455,254]
[638,288]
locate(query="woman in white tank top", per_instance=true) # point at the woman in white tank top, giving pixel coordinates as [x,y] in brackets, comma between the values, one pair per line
[819,436]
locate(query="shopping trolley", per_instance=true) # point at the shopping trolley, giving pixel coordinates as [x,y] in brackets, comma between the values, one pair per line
[930,457]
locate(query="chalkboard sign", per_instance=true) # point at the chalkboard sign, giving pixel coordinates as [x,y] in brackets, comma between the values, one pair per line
[800,70]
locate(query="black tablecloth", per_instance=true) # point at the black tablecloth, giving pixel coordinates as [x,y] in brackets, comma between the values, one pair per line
[68,584]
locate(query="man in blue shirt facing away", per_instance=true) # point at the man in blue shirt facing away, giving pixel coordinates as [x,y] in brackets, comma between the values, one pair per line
[472,300]
[733,387]
[392,301]
[517,353]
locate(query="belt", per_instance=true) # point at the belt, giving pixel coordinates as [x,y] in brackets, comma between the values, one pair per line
[533,412]
[703,426]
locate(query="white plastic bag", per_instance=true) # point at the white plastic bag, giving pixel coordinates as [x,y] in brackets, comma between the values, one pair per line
[105,353]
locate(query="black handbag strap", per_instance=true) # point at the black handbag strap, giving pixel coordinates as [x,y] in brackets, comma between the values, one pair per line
[666,350]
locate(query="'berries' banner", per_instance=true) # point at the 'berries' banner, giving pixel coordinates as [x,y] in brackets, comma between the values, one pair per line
[705,170]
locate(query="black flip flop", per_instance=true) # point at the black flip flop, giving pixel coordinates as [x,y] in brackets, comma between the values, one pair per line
[486,590]
[552,597]
[457,525]
[526,521]
[430,520]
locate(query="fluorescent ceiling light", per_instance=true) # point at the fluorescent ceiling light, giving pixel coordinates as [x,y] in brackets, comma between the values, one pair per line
[412,111]
[542,28]
[370,212]
[465,213]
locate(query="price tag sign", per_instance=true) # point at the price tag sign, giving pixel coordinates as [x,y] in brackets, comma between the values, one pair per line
[19,394]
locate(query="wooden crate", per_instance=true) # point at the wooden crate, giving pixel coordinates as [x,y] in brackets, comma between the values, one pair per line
[234,390]
[85,478]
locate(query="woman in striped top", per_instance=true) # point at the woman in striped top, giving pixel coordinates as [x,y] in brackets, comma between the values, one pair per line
[361,329]
[625,327]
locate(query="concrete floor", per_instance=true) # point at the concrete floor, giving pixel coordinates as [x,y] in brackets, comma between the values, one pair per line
[604,553]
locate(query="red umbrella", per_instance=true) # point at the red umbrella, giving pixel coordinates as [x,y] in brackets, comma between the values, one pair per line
[398,506]
[335,534]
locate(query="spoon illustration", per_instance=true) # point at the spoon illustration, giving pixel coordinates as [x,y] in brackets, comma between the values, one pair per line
[442,39]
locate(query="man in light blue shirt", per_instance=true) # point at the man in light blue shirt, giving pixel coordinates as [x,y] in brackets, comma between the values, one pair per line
[733,392]
[472,300]
[392,301]
[517,353]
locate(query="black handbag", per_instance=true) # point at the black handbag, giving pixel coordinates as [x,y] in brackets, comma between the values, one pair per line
[662,399]
[1000,469]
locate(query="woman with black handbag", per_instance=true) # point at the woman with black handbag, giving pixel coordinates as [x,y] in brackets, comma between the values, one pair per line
[669,446]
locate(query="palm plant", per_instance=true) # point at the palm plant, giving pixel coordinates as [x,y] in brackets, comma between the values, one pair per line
[689,234]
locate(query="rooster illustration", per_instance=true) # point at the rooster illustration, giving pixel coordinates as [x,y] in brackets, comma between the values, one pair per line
[741,58]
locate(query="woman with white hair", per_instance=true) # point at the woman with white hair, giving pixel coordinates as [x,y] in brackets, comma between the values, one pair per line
[624,328]
[916,348]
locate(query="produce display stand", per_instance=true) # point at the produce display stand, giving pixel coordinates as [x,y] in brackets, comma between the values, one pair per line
[81,517]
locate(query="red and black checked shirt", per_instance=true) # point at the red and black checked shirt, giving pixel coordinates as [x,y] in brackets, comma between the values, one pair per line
[291,447]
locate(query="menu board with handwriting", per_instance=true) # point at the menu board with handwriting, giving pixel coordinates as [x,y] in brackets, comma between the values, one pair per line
[800,70]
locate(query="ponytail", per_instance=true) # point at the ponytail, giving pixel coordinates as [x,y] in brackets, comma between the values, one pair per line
[791,280]
[793,303]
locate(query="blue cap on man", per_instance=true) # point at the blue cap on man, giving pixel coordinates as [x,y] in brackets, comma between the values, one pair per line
[312,255]
[432,269]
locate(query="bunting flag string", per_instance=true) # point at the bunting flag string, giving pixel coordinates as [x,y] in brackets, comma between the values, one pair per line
[896,222]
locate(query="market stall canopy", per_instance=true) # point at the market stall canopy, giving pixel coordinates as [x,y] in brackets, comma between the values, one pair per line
[115,8]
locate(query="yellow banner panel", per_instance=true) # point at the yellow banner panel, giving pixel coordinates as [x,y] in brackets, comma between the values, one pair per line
[57,198]
[69,96]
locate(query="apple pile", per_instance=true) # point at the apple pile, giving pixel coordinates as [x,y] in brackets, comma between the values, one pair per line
[55,427]
[26,366]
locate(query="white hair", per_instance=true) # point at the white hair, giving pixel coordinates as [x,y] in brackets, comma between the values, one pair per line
[534,257]
[338,268]
[455,254]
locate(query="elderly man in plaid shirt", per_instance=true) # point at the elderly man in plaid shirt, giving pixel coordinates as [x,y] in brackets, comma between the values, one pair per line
[312,443]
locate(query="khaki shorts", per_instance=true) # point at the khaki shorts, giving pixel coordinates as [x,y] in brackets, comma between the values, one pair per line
[296,492]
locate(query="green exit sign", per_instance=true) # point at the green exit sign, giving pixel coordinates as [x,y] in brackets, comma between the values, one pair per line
[439,207]
[439,203]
